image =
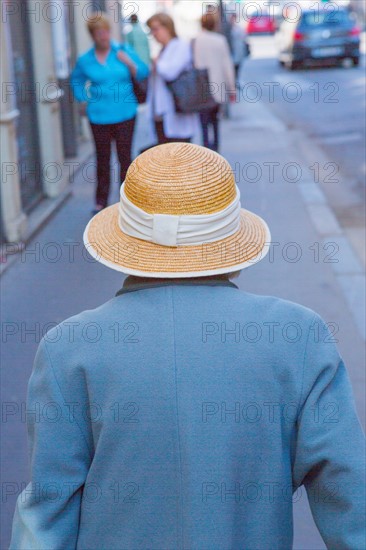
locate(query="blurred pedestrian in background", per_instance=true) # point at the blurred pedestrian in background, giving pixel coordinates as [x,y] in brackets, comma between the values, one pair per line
[211,52]
[102,82]
[212,9]
[174,57]
[238,45]
[138,40]
[222,25]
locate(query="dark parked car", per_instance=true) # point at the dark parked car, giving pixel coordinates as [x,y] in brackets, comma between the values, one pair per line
[319,36]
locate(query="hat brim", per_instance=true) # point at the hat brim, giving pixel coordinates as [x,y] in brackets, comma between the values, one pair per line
[107,244]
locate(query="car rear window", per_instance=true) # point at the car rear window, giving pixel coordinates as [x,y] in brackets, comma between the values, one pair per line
[256,15]
[326,18]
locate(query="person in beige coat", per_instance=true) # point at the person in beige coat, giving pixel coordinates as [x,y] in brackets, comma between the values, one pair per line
[211,51]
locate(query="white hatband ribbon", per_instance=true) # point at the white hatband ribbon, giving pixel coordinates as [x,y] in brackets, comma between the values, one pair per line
[178,230]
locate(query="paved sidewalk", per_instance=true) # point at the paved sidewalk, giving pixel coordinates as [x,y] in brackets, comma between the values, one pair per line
[328,276]
[55,278]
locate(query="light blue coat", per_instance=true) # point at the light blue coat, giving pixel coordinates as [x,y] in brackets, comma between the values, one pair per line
[183,415]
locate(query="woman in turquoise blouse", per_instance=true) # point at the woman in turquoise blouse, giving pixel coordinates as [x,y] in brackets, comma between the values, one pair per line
[102,82]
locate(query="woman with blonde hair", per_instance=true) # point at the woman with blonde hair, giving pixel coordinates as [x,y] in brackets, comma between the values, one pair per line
[174,57]
[110,102]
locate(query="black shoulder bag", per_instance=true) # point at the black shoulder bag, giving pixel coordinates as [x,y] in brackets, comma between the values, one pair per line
[191,90]
[139,87]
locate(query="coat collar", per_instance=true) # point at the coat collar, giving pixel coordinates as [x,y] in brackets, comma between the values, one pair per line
[132,283]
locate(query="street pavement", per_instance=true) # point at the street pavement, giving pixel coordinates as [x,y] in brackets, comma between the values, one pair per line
[328,106]
[312,262]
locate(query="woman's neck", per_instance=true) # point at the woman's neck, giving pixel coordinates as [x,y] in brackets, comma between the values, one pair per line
[164,45]
[102,51]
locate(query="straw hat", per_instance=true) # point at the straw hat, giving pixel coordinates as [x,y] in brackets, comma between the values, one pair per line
[179,215]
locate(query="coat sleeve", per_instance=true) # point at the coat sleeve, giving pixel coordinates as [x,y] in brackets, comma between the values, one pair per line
[47,511]
[78,82]
[177,59]
[330,448]
[228,67]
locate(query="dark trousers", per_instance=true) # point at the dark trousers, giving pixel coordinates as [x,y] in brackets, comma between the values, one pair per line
[104,134]
[162,138]
[237,69]
[209,120]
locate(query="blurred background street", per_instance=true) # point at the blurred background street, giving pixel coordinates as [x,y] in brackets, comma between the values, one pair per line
[296,142]
[325,104]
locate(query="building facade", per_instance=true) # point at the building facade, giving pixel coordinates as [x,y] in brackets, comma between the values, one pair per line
[41,130]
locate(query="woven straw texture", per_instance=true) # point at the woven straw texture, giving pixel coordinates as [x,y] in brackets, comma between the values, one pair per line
[180,178]
[167,179]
